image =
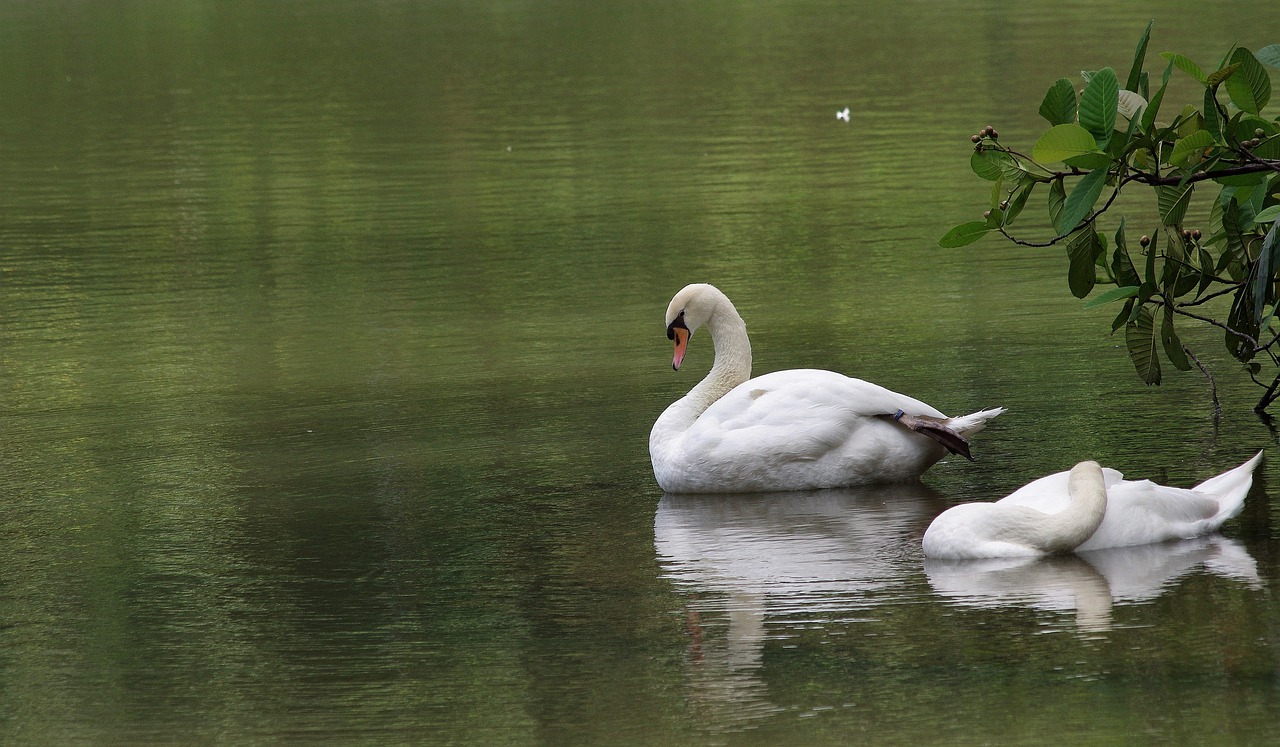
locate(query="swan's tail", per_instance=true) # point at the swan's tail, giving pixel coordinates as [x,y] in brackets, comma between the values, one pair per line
[1230,488]
[967,425]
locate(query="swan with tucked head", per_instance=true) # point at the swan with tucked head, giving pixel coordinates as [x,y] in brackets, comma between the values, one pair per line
[1052,514]
[787,430]
[1000,529]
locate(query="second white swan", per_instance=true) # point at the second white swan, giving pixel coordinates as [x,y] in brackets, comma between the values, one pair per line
[1051,514]
[787,430]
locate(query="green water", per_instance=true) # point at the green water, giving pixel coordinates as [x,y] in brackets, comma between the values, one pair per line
[331,335]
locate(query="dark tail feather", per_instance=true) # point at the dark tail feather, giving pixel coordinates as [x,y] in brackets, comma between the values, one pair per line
[935,429]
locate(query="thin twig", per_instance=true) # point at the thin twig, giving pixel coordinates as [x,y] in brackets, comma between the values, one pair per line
[1213,386]
[1216,323]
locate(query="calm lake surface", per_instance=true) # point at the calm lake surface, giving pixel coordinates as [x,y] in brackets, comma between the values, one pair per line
[331,334]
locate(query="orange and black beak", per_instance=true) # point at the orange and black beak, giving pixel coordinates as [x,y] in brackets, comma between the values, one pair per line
[680,333]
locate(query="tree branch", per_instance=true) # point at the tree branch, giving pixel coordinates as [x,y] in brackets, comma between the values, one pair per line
[1218,324]
[1213,387]
[1087,221]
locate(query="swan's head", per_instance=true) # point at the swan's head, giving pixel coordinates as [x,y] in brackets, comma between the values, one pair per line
[691,308]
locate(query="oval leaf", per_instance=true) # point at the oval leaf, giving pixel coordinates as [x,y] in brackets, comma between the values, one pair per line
[1189,150]
[1185,65]
[1059,104]
[964,234]
[987,164]
[1269,55]
[1099,104]
[1082,198]
[1111,296]
[1172,345]
[1250,87]
[1057,199]
[1172,202]
[1268,215]
[1140,338]
[1082,250]
[1062,142]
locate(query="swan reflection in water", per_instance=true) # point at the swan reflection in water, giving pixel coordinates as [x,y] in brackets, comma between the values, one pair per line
[782,560]
[756,566]
[1089,583]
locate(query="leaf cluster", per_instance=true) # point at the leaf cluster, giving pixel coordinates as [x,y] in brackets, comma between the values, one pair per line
[1103,138]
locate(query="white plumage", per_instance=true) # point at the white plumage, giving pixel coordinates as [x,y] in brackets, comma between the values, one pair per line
[1137,512]
[787,430]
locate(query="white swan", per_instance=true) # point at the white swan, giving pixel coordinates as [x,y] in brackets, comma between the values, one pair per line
[787,430]
[1040,517]
[1004,529]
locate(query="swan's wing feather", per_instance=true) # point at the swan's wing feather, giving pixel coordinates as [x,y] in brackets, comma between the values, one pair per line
[1049,493]
[799,414]
[1170,505]
[778,420]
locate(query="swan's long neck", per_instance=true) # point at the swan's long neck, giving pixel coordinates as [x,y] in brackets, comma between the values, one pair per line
[731,367]
[1067,529]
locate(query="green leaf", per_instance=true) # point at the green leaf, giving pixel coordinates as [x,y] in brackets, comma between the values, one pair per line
[1212,117]
[1059,104]
[964,234]
[1082,250]
[1172,345]
[1153,108]
[1241,180]
[1139,56]
[1018,198]
[1098,105]
[1179,277]
[1057,198]
[1082,198]
[1185,65]
[1263,273]
[1189,150]
[1122,267]
[1140,338]
[989,164]
[1123,317]
[1242,319]
[1235,257]
[1111,296]
[1250,87]
[1206,269]
[1090,161]
[1173,202]
[1062,142]
[1215,79]
[1269,55]
[1268,215]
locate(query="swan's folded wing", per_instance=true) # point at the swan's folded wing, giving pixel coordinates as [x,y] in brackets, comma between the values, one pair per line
[1171,505]
[775,423]
[1049,493]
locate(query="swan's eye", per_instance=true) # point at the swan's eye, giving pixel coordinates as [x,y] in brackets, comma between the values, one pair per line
[678,323]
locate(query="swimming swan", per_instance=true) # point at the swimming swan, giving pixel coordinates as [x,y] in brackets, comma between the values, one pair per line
[1047,515]
[787,430]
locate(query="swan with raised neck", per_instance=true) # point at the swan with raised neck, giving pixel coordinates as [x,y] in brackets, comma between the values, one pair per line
[786,430]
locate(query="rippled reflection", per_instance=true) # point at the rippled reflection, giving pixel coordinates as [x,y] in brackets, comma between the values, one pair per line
[756,569]
[791,559]
[1089,584]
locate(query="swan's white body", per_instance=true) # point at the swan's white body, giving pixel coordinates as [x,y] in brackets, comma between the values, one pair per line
[1007,529]
[1137,512]
[787,430]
